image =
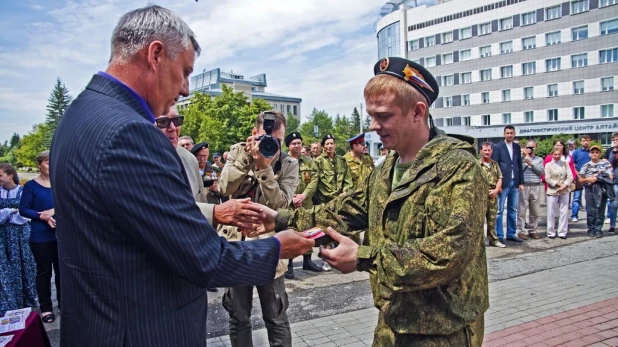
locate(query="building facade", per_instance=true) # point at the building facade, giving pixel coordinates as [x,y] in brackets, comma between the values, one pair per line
[544,66]
[211,82]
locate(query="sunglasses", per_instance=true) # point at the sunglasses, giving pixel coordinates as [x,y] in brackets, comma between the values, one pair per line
[164,122]
[530,148]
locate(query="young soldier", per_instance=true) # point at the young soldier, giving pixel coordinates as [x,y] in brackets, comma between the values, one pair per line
[334,174]
[360,164]
[493,176]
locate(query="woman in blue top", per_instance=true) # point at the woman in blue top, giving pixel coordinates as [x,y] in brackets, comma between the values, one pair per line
[17,269]
[37,203]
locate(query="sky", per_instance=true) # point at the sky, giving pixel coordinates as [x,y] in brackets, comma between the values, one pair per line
[322,51]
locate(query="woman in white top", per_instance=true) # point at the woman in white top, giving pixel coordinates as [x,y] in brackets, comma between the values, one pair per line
[559,177]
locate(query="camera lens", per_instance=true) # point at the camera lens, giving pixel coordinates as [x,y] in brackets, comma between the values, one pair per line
[269,146]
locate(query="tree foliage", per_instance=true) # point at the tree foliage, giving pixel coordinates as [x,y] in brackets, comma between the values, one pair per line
[57,104]
[292,124]
[31,145]
[544,146]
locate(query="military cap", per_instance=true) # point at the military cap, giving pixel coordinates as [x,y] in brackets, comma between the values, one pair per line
[199,147]
[216,155]
[357,139]
[291,137]
[328,137]
[597,147]
[412,73]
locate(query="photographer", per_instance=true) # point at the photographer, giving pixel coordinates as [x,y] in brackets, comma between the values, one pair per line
[259,170]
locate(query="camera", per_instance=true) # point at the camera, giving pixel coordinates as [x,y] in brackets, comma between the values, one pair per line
[269,146]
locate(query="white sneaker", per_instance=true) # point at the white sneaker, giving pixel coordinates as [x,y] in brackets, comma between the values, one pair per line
[574,219]
[606,220]
[325,266]
[499,245]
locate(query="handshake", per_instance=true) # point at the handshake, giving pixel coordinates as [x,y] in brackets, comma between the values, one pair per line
[254,219]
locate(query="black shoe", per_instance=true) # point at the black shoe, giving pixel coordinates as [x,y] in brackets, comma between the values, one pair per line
[311,266]
[551,237]
[515,239]
[290,273]
[598,235]
[611,230]
[562,237]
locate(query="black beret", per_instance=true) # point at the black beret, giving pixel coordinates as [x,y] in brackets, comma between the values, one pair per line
[199,147]
[411,72]
[291,137]
[327,137]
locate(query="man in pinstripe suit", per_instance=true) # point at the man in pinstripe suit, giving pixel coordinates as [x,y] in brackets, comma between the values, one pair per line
[135,251]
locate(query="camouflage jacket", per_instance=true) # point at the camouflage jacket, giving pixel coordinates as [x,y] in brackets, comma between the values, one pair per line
[492,174]
[360,169]
[424,245]
[334,178]
[307,180]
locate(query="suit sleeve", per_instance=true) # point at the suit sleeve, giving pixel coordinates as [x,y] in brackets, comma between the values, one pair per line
[152,203]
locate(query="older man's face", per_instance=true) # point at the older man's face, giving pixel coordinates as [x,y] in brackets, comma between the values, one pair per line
[186,144]
[172,131]
[170,78]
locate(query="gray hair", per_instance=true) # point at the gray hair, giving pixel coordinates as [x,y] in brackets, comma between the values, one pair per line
[140,27]
[186,138]
[41,157]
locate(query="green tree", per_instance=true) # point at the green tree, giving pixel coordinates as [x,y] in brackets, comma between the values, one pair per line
[14,140]
[31,145]
[292,123]
[366,123]
[324,122]
[356,119]
[57,103]
[544,146]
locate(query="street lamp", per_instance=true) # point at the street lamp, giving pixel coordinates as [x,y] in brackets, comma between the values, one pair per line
[316,131]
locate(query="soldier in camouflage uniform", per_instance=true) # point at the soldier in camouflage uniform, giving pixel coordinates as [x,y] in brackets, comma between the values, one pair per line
[424,246]
[334,175]
[493,177]
[360,164]
[307,186]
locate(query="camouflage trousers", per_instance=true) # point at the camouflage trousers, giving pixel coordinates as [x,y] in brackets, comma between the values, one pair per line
[490,216]
[469,336]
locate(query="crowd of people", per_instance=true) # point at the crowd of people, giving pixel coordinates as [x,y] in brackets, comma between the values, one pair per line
[518,178]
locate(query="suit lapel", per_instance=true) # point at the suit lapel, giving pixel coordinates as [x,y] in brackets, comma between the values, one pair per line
[117,91]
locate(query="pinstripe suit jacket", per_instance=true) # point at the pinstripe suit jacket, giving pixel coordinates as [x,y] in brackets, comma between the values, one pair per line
[135,252]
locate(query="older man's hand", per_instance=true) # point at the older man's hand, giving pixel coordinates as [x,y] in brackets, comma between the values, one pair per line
[239,212]
[293,244]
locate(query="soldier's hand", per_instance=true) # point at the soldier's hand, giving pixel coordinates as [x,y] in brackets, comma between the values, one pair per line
[293,244]
[342,258]
[239,212]
[298,200]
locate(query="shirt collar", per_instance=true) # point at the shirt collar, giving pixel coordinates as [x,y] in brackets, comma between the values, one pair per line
[141,100]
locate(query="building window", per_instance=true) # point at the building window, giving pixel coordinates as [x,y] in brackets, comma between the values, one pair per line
[388,41]
[578,87]
[528,42]
[528,18]
[466,54]
[485,75]
[607,111]
[578,113]
[606,139]
[529,116]
[506,47]
[552,90]
[485,97]
[288,109]
[465,33]
[607,84]
[528,68]
[552,64]
[448,101]
[552,115]
[579,60]
[580,33]
[295,108]
[449,122]
[281,108]
[609,27]
[467,121]
[506,23]
[447,37]
[506,71]
[506,95]
[485,51]
[430,41]
[432,106]
[466,77]
[506,118]
[579,6]
[486,119]
[484,28]
[528,93]
[413,45]
[274,107]
[553,12]
[608,56]
[447,58]
[552,38]
[448,80]
[466,100]
[608,2]
[430,61]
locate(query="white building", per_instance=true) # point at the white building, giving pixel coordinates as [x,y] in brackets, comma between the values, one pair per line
[544,66]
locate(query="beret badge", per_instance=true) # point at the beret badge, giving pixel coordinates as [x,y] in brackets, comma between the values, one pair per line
[384,64]
[413,75]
